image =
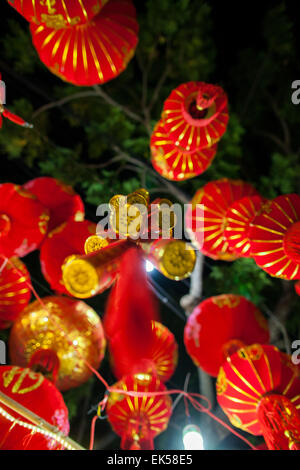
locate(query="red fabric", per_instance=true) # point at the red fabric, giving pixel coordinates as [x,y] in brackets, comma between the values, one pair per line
[217,321]
[23,221]
[60,199]
[249,375]
[93,53]
[69,328]
[190,127]
[175,162]
[14,291]
[66,240]
[207,227]
[40,396]
[139,419]
[275,237]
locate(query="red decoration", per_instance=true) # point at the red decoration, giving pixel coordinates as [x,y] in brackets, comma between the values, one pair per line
[297,287]
[138,420]
[60,199]
[219,326]
[275,237]
[175,162]
[9,115]
[23,221]
[258,388]
[95,52]
[65,240]
[195,115]
[66,331]
[206,219]
[40,396]
[239,217]
[14,290]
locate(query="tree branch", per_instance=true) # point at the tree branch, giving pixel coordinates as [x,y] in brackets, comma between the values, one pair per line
[61,102]
[112,102]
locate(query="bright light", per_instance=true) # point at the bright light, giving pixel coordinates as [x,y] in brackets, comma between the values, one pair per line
[192,438]
[149,266]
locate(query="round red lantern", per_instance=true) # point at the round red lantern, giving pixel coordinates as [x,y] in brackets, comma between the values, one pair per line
[23,221]
[14,290]
[138,419]
[94,52]
[33,391]
[219,326]
[60,199]
[66,331]
[275,237]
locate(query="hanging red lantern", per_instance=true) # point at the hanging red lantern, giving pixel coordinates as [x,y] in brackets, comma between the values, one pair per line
[59,336]
[239,217]
[195,115]
[175,162]
[258,388]
[219,326]
[275,237]
[94,52]
[60,199]
[58,14]
[33,391]
[14,290]
[23,221]
[138,420]
[206,217]
[66,240]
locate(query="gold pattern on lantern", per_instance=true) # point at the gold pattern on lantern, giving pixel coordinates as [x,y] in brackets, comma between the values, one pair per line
[14,372]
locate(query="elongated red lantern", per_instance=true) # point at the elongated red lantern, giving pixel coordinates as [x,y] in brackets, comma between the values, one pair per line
[33,391]
[58,336]
[219,326]
[195,115]
[94,52]
[175,162]
[14,290]
[138,420]
[206,217]
[23,221]
[275,237]
[60,199]
[258,388]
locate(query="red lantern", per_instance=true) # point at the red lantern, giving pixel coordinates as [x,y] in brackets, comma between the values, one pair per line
[14,290]
[61,200]
[275,237]
[58,14]
[195,115]
[65,331]
[8,114]
[94,52]
[39,395]
[206,219]
[138,420]
[65,240]
[258,388]
[23,221]
[219,326]
[175,162]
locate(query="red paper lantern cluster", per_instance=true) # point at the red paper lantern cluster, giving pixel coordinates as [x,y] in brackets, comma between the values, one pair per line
[194,118]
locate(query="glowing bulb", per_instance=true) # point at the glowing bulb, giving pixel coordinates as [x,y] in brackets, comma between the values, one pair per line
[149,266]
[192,438]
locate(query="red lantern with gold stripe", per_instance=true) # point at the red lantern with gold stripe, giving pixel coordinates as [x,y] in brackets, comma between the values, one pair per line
[138,419]
[175,162]
[14,290]
[275,237]
[195,115]
[60,199]
[23,221]
[239,217]
[62,242]
[33,391]
[258,388]
[58,14]
[206,217]
[94,52]
[219,326]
